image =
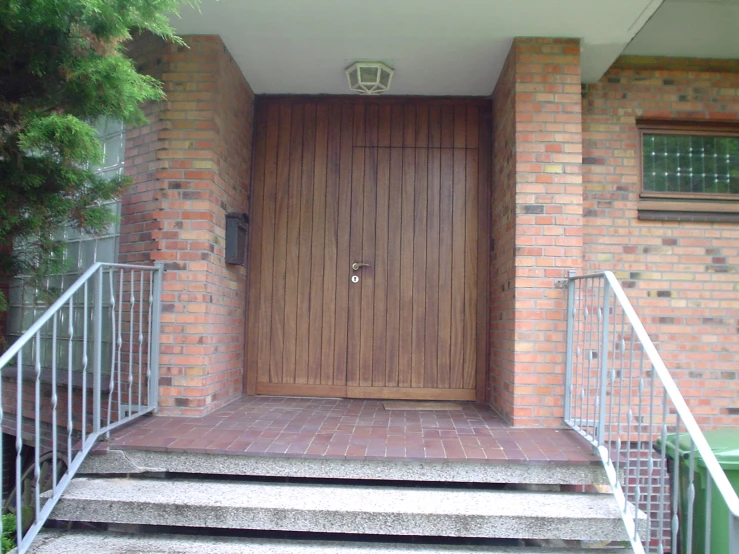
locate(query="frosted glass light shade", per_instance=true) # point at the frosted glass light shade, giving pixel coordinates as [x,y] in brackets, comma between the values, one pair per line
[369,77]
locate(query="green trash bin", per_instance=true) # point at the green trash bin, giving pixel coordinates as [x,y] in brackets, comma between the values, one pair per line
[725,446]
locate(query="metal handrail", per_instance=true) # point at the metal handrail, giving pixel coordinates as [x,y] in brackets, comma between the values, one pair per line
[28,335]
[84,423]
[604,426]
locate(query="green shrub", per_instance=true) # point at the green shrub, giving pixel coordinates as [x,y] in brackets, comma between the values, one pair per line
[8,537]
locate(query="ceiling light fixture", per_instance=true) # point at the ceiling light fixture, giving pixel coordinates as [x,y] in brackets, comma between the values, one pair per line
[369,77]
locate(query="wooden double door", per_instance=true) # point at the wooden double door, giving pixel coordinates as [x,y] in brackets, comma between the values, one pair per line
[400,186]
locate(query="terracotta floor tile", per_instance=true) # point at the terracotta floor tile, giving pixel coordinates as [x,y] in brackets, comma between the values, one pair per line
[356,451]
[353,429]
[375,451]
[395,451]
[495,454]
[515,455]
[455,451]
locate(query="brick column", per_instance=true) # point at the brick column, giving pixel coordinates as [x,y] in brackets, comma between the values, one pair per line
[192,165]
[537,225]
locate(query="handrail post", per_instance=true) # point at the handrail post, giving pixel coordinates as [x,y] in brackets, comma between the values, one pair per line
[97,352]
[605,322]
[153,389]
[570,341]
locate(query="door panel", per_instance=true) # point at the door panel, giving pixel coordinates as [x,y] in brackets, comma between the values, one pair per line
[391,184]
[318,254]
[420,272]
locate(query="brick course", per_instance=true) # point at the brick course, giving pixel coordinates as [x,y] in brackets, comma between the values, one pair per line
[191,165]
[537,225]
[681,277]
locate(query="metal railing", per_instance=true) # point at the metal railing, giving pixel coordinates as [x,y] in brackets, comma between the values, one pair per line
[622,399]
[86,366]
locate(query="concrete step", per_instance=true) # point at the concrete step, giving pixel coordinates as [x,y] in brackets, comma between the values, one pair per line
[139,461]
[322,508]
[76,542]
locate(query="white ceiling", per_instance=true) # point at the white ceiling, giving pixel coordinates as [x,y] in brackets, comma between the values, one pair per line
[690,28]
[437,47]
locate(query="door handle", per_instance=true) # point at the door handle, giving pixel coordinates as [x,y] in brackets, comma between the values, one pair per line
[356,266]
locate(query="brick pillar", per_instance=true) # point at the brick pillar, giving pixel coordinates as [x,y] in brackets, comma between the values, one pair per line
[537,225]
[191,165]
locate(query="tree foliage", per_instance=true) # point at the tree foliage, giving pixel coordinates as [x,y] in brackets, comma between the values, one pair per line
[62,66]
[7,540]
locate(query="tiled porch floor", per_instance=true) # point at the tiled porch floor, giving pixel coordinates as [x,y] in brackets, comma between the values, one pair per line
[354,430]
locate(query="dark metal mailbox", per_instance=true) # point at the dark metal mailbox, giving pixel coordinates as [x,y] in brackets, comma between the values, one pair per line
[237,227]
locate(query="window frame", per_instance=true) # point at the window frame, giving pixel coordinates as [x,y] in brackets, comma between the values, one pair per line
[684,206]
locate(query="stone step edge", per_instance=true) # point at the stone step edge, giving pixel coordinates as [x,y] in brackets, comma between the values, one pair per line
[149,461]
[331,508]
[74,542]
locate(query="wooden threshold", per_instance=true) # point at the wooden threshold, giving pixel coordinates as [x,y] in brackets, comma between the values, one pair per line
[410,393]
[375,393]
[284,389]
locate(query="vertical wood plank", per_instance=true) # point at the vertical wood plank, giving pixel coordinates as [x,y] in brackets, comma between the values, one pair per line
[318,248]
[419,248]
[331,374]
[431,355]
[446,198]
[355,247]
[343,254]
[471,305]
[394,242]
[266,305]
[255,249]
[405,358]
[435,126]
[471,263]
[305,234]
[447,126]
[473,126]
[458,230]
[293,245]
[381,248]
[366,274]
[484,210]
[277,345]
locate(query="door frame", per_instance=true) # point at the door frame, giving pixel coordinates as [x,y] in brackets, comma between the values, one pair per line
[484,230]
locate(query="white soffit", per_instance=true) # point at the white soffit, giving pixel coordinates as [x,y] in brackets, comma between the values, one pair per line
[437,47]
[692,29]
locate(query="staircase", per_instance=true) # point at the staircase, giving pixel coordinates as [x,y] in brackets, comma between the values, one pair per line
[146,501]
[619,397]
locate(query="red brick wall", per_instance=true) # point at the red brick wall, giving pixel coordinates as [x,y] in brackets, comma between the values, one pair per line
[681,277]
[191,165]
[141,162]
[503,222]
[537,225]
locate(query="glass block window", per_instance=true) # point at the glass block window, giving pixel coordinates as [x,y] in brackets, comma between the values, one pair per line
[684,163]
[82,251]
[27,303]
